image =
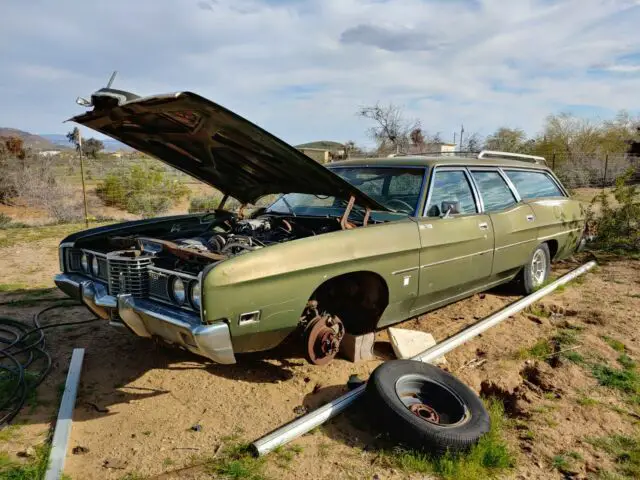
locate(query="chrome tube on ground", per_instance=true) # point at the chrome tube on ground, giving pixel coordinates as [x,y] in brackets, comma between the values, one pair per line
[304,424]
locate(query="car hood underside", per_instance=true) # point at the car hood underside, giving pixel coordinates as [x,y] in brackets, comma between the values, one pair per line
[214,145]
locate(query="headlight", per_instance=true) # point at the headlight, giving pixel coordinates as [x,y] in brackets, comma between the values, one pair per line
[95,268]
[84,262]
[195,295]
[178,290]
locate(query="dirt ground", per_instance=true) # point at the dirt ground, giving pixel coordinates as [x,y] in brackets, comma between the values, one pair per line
[137,403]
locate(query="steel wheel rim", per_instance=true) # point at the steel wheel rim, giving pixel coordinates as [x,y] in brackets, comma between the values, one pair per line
[538,267]
[416,392]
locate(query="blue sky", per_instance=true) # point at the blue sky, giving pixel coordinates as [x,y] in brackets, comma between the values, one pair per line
[301,69]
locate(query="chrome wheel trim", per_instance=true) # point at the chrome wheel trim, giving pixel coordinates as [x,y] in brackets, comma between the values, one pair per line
[538,267]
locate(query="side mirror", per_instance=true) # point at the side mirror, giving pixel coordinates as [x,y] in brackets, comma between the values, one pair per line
[450,208]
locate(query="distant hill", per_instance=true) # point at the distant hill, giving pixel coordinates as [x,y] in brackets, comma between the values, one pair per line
[35,142]
[323,144]
[110,145]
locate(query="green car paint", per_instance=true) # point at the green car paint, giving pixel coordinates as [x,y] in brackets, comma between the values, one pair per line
[404,264]
[424,262]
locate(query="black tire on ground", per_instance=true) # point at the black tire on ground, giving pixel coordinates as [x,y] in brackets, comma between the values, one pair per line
[447,415]
[528,279]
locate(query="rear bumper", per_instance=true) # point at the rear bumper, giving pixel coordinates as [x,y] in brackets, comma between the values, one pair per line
[150,319]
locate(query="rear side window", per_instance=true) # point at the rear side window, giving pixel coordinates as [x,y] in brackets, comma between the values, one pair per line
[450,191]
[496,194]
[533,184]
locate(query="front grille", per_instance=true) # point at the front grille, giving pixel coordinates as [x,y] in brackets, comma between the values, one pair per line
[128,273]
[159,285]
[103,272]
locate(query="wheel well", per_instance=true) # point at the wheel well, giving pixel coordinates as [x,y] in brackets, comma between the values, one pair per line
[553,248]
[357,298]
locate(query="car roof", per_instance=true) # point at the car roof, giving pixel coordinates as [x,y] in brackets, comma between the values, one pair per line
[433,161]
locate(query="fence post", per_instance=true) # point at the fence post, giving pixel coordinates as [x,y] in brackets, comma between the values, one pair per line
[604,176]
[84,189]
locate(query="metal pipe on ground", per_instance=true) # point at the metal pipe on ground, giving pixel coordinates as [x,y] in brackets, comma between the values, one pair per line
[311,420]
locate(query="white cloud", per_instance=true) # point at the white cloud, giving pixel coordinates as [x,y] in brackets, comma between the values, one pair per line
[301,69]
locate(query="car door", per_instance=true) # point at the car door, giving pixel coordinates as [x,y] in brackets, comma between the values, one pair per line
[456,249]
[513,221]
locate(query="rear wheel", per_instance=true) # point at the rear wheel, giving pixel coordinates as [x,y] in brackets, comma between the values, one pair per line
[536,272]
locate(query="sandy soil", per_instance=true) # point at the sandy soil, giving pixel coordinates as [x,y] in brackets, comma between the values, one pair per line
[137,402]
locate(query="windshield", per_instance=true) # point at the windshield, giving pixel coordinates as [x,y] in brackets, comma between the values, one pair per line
[397,188]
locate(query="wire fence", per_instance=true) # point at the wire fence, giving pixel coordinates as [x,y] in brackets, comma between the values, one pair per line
[50,190]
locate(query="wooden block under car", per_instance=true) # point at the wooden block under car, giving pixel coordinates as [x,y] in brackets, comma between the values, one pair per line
[409,343]
[357,347]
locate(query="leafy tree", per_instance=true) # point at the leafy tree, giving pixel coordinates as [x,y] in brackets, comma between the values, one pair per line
[507,139]
[91,147]
[74,138]
[15,147]
[417,138]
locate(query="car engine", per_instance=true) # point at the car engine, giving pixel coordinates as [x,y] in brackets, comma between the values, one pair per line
[234,237]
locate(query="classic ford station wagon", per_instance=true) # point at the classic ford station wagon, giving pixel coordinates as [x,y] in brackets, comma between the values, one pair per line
[353,246]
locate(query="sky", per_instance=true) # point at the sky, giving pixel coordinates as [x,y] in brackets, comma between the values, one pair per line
[301,69]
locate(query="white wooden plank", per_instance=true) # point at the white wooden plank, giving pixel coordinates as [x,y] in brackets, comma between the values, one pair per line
[65,417]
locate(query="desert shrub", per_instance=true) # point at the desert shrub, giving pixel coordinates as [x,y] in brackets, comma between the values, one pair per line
[141,189]
[33,184]
[618,228]
[147,205]
[204,204]
[5,220]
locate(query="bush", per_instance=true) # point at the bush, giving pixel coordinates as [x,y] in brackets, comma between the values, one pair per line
[5,220]
[618,228]
[147,205]
[34,185]
[141,189]
[204,204]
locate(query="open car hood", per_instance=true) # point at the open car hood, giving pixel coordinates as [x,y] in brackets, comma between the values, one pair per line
[213,144]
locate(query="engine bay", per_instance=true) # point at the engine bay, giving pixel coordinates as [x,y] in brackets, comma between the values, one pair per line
[189,250]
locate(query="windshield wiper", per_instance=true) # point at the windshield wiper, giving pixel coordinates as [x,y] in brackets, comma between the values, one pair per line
[286,202]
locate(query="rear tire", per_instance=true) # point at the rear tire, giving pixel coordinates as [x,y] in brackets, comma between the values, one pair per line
[536,271]
[426,408]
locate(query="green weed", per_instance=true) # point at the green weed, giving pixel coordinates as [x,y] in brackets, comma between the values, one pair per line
[615,344]
[624,450]
[489,457]
[587,401]
[626,379]
[32,470]
[236,462]
[540,350]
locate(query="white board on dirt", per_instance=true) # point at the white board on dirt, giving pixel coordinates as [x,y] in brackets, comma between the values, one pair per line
[409,343]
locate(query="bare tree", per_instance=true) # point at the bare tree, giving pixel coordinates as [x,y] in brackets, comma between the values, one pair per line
[472,143]
[392,129]
[350,148]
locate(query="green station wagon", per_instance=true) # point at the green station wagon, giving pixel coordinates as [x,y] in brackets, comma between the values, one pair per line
[350,247]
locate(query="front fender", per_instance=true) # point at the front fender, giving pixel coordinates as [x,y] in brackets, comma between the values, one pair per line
[278,280]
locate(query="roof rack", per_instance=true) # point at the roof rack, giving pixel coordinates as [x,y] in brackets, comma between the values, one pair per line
[512,156]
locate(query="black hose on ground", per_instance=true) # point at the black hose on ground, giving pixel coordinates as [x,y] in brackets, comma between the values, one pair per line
[24,361]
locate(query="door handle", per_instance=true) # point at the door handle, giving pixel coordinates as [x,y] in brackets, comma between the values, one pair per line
[530,218]
[483,226]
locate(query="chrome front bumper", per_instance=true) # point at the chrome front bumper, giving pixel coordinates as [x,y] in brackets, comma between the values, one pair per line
[150,319]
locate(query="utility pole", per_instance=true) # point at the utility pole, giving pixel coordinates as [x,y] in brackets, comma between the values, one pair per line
[84,189]
[461,134]
[454,138]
